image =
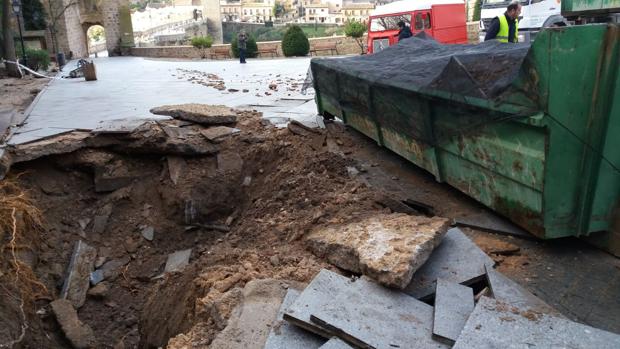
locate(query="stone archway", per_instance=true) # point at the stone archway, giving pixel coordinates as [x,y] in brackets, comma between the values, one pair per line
[113,15]
[96,41]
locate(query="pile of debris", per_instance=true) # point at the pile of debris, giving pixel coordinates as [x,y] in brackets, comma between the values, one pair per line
[455,299]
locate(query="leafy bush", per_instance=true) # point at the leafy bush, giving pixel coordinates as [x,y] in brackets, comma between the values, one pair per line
[202,43]
[356,31]
[295,42]
[37,59]
[251,50]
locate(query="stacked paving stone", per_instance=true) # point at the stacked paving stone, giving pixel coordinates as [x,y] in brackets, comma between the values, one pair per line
[456,299]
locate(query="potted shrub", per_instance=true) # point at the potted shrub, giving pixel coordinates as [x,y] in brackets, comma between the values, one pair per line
[203,43]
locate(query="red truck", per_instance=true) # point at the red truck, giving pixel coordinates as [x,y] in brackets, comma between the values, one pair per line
[444,20]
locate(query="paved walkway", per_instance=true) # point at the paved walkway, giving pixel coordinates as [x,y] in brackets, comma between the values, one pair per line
[128,87]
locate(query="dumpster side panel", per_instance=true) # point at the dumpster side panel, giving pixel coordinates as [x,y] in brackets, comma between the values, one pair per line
[570,7]
[573,57]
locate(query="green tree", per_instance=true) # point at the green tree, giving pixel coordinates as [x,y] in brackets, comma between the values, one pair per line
[96,33]
[477,10]
[295,42]
[34,15]
[356,30]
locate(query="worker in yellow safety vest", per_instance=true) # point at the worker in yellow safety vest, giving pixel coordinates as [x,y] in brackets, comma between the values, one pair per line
[505,28]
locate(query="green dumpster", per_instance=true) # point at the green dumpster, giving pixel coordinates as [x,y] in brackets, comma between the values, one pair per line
[544,152]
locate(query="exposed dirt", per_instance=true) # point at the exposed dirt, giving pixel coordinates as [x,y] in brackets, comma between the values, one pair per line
[16,94]
[242,211]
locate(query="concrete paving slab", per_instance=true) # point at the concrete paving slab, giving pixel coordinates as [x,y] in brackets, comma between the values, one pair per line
[362,313]
[494,324]
[284,335]
[453,304]
[456,259]
[336,343]
[177,260]
[489,221]
[368,315]
[128,87]
[320,289]
[510,292]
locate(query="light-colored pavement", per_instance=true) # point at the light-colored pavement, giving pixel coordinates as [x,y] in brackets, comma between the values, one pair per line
[128,87]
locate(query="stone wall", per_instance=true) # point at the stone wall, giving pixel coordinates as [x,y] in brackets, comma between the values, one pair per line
[344,44]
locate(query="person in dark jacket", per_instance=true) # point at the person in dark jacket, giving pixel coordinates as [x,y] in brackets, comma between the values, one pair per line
[242,46]
[505,28]
[404,31]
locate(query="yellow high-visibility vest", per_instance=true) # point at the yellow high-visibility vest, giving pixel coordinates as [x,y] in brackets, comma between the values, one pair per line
[504,29]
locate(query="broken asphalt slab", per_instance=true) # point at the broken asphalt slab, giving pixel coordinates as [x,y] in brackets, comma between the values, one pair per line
[251,321]
[453,304]
[81,265]
[80,335]
[204,114]
[388,247]
[495,324]
[456,259]
[362,313]
[284,335]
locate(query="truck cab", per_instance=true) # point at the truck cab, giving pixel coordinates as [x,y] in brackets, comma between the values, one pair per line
[444,20]
[535,15]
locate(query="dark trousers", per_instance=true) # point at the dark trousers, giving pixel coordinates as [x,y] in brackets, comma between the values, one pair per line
[241,55]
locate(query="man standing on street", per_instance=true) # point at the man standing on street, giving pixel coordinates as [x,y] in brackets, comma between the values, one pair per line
[505,28]
[242,39]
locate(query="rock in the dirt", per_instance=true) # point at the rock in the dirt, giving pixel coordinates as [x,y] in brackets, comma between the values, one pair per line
[148,233]
[99,291]
[386,247]
[250,322]
[199,113]
[79,334]
[81,265]
[177,260]
[219,133]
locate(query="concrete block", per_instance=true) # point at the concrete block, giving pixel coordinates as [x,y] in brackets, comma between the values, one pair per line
[495,324]
[218,134]
[453,304]
[456,259]
[284,335]
[388,247]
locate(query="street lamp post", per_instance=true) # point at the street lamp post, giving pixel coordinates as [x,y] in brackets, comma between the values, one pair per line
[17,7]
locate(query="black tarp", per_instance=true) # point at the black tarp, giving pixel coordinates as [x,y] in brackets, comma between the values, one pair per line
[483,70]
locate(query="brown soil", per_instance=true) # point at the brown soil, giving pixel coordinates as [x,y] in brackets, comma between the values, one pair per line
[269,186]
[18,93]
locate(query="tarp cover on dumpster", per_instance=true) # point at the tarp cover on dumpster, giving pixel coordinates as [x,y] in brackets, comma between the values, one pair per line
[482,70]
